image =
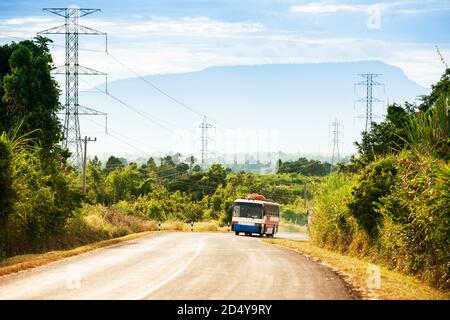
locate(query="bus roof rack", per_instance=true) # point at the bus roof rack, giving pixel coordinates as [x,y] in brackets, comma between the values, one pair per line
[260,197]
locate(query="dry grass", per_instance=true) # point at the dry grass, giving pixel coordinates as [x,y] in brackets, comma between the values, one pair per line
[394,286]
[204,226]
[290,227]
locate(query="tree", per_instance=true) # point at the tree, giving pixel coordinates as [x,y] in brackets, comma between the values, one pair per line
[442,88]
[123,183]
[96,181]
[388,136]
[151,164]
[113,163]
[29,93]
[6,182]
[214,177]
[305,167]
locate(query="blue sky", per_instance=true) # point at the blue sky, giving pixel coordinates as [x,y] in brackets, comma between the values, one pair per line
[162,36]
[175,36]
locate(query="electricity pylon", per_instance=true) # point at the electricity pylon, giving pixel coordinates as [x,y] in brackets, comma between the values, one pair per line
[336,127]
[71,29]
[205,126]
[369,99]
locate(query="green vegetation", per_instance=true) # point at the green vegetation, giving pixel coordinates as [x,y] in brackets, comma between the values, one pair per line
[391,203]
[42,206]
[38,191]
[305,167]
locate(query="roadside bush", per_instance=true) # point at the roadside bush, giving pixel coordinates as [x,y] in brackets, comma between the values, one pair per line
[42,196]
[415,234]
[95,223]
[374,182]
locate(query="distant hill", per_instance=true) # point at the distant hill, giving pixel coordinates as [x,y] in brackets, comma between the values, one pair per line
[299,100]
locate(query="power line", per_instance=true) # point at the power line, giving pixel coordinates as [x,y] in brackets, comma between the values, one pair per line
[143,114]
[119,139]
[155,87]
[178,102]
[53,45]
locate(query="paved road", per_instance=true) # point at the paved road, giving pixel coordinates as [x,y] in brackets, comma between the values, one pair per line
[180,266]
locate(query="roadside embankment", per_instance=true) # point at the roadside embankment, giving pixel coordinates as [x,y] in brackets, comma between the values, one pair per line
[356,272]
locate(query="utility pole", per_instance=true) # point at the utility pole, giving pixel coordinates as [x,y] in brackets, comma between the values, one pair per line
[369,99]
[336,127]
[71,69]
[85,141]
[305,194]
[205,126]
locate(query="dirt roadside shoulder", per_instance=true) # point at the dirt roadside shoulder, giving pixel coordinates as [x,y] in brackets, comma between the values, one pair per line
[354,271]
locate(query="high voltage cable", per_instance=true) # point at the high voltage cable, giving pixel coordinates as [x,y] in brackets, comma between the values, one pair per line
[160,90]
[114,137]
[50,44]
[155,87]
[143,114]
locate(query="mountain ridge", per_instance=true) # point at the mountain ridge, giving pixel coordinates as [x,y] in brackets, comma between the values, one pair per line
[298,100]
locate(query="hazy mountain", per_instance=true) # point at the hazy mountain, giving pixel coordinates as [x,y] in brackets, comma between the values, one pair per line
[298,100]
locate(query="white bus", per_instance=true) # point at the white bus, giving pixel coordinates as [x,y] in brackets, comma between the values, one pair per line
[255,214]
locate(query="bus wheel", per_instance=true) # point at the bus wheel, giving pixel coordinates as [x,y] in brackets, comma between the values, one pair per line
[236,233]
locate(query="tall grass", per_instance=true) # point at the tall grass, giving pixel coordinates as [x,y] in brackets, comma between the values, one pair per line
[95,223]
[332,225]
[429,132]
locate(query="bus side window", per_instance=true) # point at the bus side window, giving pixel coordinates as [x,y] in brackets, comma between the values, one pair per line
[272,211]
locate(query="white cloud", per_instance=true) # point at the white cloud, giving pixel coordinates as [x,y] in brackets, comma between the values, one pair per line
[192,26]
[322,7]
[171,45]
[26,20]
[326,8]
[415,7]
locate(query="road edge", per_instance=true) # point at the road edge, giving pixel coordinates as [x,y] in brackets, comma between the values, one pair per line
[393,286]
[37,260]
[354,291]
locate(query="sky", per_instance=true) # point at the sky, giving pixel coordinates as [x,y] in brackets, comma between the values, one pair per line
[161,37]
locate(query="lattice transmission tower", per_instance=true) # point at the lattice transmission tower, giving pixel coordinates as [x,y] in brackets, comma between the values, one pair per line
[205,126]
[336,131]
[368,82]
[71,69]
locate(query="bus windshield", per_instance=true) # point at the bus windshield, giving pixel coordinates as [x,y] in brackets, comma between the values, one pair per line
[248,210]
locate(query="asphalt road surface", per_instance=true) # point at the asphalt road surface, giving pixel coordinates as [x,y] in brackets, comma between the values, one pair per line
[180,265]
